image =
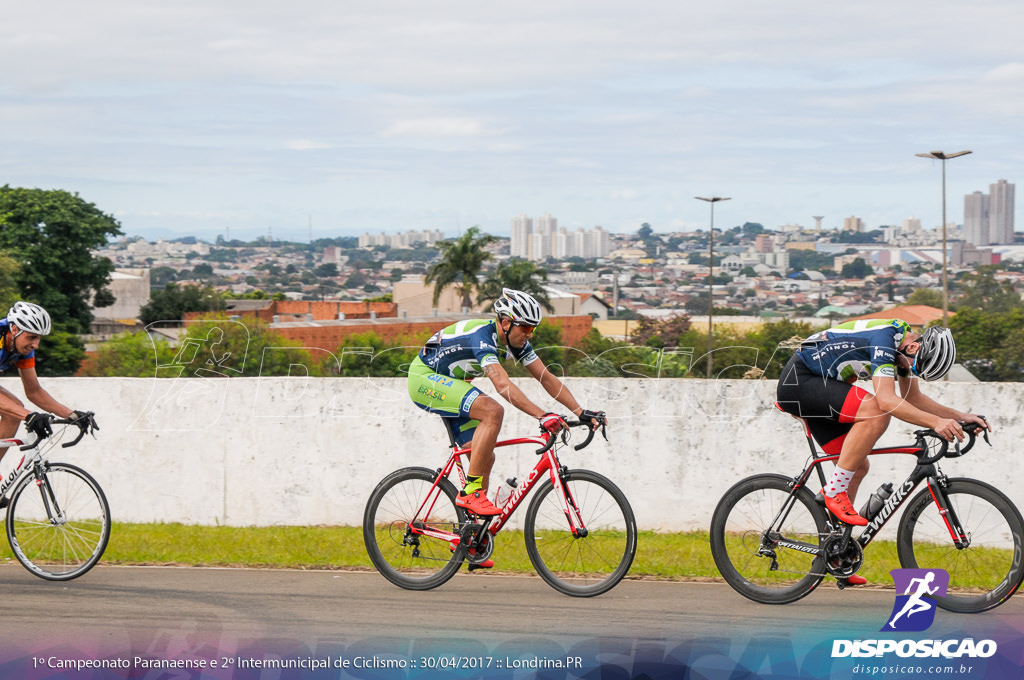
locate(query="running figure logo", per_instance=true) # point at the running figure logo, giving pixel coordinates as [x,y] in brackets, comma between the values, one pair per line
[915,608]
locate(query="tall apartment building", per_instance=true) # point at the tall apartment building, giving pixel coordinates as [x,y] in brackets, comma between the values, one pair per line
[976,218]
[406,239]
[852,223]
[1000,212]
[542,238]
[988,218]
[522,227]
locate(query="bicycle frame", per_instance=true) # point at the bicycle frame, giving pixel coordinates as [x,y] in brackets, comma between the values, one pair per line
[548,464]
[925,471]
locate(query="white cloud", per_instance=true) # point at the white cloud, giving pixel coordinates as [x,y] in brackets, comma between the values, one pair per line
[435,127]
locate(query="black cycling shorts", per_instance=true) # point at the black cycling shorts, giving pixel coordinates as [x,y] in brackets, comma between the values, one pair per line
[828,407]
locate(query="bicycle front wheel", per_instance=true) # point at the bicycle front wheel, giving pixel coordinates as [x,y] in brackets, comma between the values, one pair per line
[762,537]
[58,522]
[582,565]
[982,575]
[404,505]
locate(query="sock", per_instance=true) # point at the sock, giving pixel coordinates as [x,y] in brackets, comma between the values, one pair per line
[839,482]
[473,484]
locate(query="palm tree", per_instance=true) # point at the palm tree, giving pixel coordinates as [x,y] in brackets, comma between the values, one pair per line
[462,259]
[518,275]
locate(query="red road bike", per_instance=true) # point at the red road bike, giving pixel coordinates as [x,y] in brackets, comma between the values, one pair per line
[579,529]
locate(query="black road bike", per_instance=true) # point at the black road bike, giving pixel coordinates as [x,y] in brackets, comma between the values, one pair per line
[774,541]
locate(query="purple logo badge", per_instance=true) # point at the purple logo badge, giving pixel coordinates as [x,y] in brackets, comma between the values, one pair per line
[916,590]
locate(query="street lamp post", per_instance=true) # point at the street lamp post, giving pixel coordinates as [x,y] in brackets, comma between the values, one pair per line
[711,269]
[939,155]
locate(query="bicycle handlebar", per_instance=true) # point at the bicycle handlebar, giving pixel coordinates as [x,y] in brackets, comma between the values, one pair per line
[553,437]
[83,422]
[970,429]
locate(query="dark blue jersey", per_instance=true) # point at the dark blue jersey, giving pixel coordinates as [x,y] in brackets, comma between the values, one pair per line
[855,350]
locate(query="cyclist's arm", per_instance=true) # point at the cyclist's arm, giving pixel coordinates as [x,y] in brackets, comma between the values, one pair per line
[915,396]
[553,386]
[903,408]
[512,394]
[40,397]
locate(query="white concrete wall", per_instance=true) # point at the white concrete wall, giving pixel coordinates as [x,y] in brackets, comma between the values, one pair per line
[267,451]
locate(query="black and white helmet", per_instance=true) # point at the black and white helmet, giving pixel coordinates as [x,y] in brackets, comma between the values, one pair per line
[937,353]
[29,318]
[519,306]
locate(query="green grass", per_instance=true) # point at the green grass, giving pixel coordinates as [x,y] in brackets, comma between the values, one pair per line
[673,556]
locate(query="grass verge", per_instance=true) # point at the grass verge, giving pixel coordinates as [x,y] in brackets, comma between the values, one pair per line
[670,556]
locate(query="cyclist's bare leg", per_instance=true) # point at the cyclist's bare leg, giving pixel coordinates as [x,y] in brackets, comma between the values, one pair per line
[8,423]
[490,414]
[871,423]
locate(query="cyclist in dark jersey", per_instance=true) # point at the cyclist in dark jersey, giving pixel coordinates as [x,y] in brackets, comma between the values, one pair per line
[439,382]
[20,333]
[817,385]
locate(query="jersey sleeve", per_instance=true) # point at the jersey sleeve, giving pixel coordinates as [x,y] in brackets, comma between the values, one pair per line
[883,354]
[485,346]
[27,362]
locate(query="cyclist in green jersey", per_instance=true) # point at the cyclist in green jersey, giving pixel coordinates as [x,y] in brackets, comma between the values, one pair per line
[439,382]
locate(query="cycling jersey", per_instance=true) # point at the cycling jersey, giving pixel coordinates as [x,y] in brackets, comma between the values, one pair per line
[439,376]
[8,359]
[855,350]
[465,348]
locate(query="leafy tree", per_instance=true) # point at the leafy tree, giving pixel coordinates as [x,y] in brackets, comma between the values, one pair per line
[519,275]
[129,355]
[60,353]
[326,270]
[9,292]
[857,269]
[51,234]
[981,290]
[462,260]
[174,301]
[925,296]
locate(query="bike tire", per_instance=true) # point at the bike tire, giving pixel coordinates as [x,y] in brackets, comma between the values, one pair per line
[581,566]
[58,522]
[987,572]
[740,526]
[412,561]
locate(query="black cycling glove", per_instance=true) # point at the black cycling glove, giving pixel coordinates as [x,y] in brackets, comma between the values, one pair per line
[85,420]
[39,424]
[591,417]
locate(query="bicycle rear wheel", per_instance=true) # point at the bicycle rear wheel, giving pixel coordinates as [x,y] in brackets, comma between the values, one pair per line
[760,534]
[404,504]
[58,522]
[987,572]
[581,566]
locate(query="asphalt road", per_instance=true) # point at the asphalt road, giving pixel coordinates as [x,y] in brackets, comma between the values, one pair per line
[180,612]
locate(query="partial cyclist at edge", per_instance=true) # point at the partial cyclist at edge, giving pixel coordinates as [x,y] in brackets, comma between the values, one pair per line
[439,382]
[20,333]
[845,419]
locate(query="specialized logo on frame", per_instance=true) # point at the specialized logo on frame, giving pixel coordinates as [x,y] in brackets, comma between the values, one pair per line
[914,610]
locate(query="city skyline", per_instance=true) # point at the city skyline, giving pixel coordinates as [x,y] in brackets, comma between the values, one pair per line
[324,119]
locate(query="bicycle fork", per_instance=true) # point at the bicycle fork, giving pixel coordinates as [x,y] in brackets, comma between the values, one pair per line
[961,539]
[570,508]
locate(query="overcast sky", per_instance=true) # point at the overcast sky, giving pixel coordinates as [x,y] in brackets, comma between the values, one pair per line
[232,117]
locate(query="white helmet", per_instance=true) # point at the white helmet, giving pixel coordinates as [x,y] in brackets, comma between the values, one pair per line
[29,318]
[519,306]
[937,353]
